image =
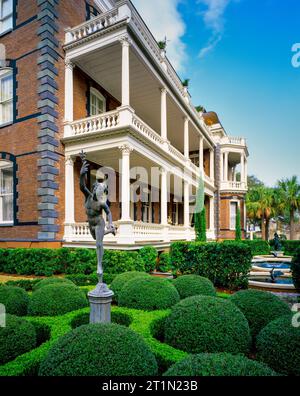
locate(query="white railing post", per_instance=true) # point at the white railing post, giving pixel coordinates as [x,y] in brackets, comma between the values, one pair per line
[69,66]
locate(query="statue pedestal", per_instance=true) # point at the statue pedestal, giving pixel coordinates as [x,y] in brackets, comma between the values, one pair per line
[278,253]
[100,302]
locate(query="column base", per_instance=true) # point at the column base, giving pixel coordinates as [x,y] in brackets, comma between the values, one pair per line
[100,302]
[125,232]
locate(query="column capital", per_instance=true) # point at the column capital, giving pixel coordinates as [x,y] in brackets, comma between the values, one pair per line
[163,170]
[126,149]
[69,160]
[163,90]
[69,64]
[125,40]
[186,119]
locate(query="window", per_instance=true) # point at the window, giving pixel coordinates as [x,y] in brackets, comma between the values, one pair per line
[97,102]
[233,213]
[6,15]
[6,96]
[6,192]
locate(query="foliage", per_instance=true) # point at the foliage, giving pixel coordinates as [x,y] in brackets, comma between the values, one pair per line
[99,350]
[56,300]
[259,307]
[164,263]
[16,338]
[218,365]
[148,255]
[52,281]
[121,280]
[295,268]
[258,247]
[49,262]
[207,324]
[225,264]
[289,247]
[200,226]
[43,332]
[186,82]
[26,284]
[90,280]
[238,228]
[278,345]
[116,317]
[14,299]
[193,285]
[148,294]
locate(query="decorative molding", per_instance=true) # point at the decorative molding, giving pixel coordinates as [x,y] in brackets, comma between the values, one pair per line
[125,40]
[126,149]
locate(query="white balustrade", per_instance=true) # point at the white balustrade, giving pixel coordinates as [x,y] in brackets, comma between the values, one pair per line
[237,141]
[233,185]
[97,123]
[146,130]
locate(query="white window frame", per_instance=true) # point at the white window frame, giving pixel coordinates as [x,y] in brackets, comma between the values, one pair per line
[10,15]
[237,207]
[95,92]
[4,73]
[5,165]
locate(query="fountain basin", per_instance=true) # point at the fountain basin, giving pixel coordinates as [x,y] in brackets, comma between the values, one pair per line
[264,263]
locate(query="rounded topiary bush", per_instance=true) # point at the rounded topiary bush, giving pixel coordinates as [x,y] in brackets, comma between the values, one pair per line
[207,324]
[218,365]
[14,299]
[120,281]
[193,285]
[52,281]
[16,338]
[56,300]
[148,294]
[278,345]
[259,307]
[100,350]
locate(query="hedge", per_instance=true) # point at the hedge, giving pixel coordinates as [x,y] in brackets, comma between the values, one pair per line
[164,263]
[52,281]
[278,345]
[148,294]
[56,300]
[148,255]
[295,268]
[116,317]
[100,350]
[14,299]
[259,307]
[218,365]
[258,247]
[193,285]
[122,279]
[225,264]
[16,338]
[289,247]
[48,262]
[207,324]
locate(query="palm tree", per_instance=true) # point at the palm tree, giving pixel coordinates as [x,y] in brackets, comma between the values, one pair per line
[289,191]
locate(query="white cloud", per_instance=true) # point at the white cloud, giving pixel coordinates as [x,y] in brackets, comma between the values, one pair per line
[213,17]
[164,19]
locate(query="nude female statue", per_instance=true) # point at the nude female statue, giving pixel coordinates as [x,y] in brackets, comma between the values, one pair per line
[95,203]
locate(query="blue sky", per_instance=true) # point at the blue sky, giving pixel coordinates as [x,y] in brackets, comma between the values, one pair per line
[237,54]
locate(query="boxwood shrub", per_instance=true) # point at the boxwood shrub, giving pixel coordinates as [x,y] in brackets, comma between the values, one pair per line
[121,280]
[116,317]
[218,365]
[148,294]
[295,268]
[100,350]
[259,307]
[148,255]
[164,262]
[278,345]
[26,284]
[193,285]
[225,264]
[14,299]
[52,281]
[56,300]
[258,247]
[289,247]
[16,338]
[207,324]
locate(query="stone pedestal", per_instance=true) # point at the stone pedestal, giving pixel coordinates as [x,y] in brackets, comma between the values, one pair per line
[278,254]
[100,302]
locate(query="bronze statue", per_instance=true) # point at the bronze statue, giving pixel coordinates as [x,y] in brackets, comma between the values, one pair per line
[95,202]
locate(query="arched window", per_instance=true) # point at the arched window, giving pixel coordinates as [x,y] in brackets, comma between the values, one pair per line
[97,102]
[6,15]
[6,96]
[6,192]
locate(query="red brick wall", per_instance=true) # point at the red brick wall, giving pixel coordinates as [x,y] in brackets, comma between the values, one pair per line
[225,232]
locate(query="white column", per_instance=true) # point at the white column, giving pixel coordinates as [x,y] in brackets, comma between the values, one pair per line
[163,112]
[69,92]
[201,141]
[186,204]
[234,174]
[226,166]
[164,197]
[212,164]
[125,182]
[69,191]
[222,167]
[125,41]
[186,139]
[242,168]
[246,171]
